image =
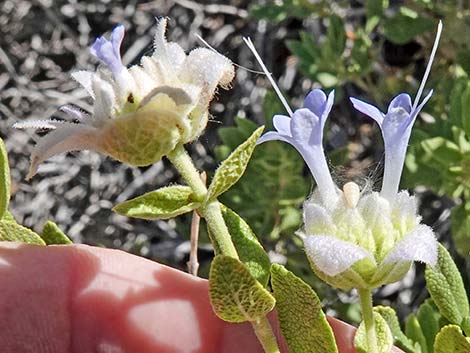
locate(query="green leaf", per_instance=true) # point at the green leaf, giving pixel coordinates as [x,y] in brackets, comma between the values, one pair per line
[248,247]
[415,332]
[12,231]
[404,27]
[466,325]
[233,167]
[8,217]
[442,150]
[302,320]
[52,235]
[336,36]
[163,203]
[451,340]
[399,338]
[235,295]
[271,12]
[383,333]
[4,180]
[327,80]
[465,98]
[429,322]
[375,7]
[445,285]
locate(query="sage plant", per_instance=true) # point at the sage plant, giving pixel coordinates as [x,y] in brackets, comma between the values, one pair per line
[148,111]
[353,238]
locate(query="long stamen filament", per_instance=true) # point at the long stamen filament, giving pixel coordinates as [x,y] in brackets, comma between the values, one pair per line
[428,68]
[233,63]
[251,46]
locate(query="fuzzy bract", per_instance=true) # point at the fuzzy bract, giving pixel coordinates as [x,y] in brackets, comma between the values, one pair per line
[368,243]
[141,113]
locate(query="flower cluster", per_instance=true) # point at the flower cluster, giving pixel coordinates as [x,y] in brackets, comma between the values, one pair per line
[139,113]
[355,238]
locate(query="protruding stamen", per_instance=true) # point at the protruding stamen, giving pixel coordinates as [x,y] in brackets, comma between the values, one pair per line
[351,194]
[428,68]
[251,46]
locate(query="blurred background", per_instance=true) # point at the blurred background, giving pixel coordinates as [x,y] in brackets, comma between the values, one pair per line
[368,49]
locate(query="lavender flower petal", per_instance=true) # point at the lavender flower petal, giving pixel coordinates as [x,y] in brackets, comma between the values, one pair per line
[282,124]
[315,102]
[368,109]
[108,51]
[402,101]
[273,136]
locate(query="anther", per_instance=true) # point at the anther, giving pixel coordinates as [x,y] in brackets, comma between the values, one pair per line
[351,193]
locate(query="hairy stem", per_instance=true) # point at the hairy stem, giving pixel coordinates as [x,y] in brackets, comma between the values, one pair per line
[212,213]
[216,224]
[184,164]
[265,335]
[365,296]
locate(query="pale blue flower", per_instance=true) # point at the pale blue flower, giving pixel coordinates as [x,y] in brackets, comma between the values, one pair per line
[396,127]
[304,131]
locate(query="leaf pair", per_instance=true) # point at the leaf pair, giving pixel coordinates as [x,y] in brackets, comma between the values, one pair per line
[237,297]
[171,201]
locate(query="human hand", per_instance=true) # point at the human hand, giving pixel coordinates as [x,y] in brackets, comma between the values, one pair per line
[82,299]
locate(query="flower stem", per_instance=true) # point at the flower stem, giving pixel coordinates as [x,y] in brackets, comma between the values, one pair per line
[184,164]
[365,296]
[265,335]
[212,213]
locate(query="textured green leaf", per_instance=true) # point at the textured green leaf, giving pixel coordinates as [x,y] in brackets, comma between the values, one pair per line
[445,285]
[12,231]
[302,320]
[248,247]
[233,167]
[8,217]
[4,180]
[52,235]
[384,336]
[429,322]
[235,295]
[163,203]
[399,338]
[415,332]
[451,340]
